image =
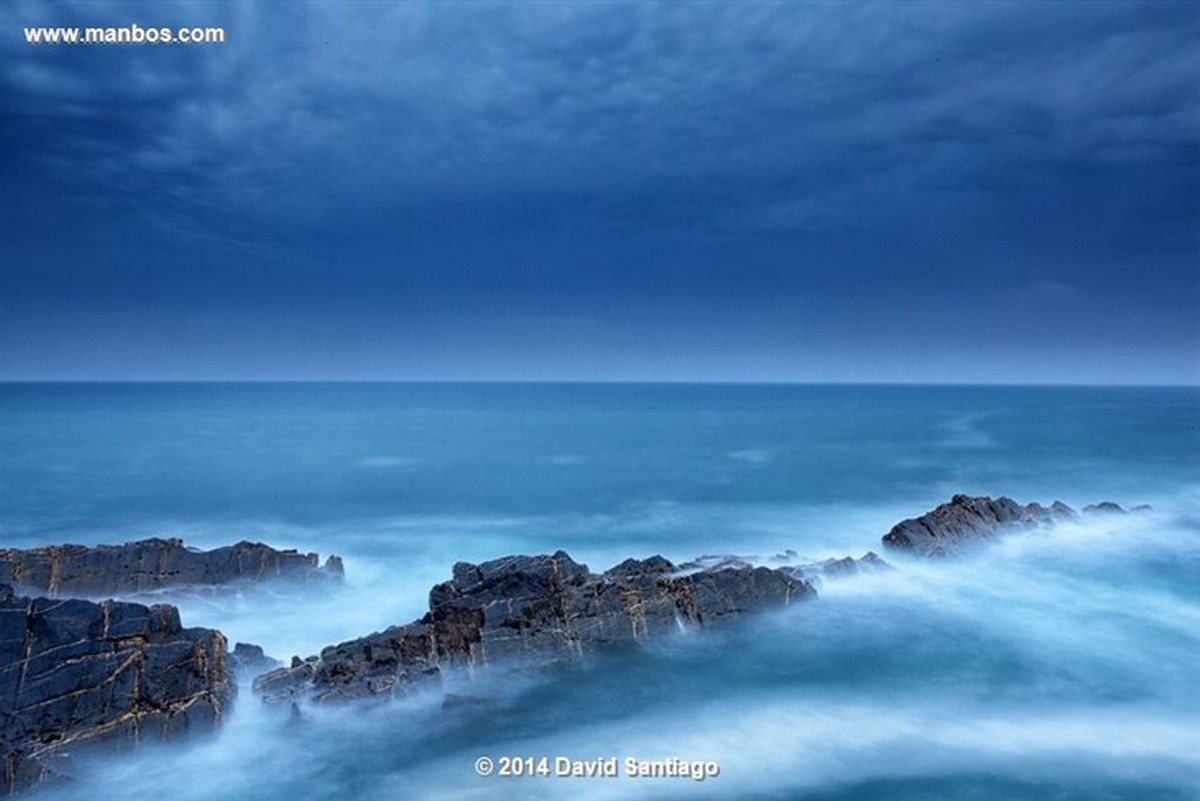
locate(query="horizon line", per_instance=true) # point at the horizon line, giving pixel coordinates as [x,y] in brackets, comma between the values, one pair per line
[604,382]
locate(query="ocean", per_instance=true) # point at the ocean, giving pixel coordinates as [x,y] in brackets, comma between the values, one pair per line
[1056,664]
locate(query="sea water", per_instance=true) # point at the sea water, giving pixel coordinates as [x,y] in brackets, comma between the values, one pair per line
[1056,664]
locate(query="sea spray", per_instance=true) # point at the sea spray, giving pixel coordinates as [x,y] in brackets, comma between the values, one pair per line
[1058,663]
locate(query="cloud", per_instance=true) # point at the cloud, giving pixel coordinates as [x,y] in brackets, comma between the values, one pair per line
[783,174]
[303,112]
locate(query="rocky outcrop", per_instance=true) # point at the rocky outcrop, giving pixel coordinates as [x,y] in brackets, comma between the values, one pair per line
[846,566]
[789,562]
[965,522]
[155,564]
[249,660]
[1110,508]
[75,672]
[535,609]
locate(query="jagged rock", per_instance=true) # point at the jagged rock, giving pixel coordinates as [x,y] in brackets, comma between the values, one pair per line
[815,572]
[75,672]
[249,660]
[538,609]
[632,568]
[1103,508]
[966,521]
[154,564]
[849,566]
[717,562]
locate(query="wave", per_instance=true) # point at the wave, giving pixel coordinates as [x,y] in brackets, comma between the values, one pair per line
[1054,662]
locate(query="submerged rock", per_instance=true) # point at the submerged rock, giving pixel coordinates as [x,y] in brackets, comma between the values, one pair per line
[966,521]
[849,566]
[536,609]
[249,660]
[75,672]
[154,564]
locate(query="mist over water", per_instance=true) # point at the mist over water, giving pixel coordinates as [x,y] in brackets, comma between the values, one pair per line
[1054,664]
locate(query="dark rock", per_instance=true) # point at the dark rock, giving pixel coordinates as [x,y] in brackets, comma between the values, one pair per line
[966,521]
[532,609]
[74,672]
[249,660]
[716,562]
[871,561]
[839,567]
[1103,508]
[815,572]
[632,568]
[154,564]
[1061,510]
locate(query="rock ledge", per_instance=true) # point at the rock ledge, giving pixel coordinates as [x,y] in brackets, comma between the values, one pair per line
[155,564]
[74,672]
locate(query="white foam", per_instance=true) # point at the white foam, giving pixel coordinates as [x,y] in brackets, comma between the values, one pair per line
[386,461]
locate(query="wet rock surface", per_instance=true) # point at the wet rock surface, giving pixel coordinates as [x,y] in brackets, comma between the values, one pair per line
[154,564]
[533,609]
[965,522]
[74,672]
[77,672]
[249,660]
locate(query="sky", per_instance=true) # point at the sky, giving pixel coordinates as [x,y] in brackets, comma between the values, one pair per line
[711,191]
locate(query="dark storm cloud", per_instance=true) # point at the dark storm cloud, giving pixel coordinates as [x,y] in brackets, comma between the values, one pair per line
[639,175]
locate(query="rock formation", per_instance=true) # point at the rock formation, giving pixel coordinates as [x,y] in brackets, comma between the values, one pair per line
[154,564]
[535,609]
[74,672]
[249,660]
[966,521]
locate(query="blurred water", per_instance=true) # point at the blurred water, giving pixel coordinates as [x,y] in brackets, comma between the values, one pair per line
[1055,665]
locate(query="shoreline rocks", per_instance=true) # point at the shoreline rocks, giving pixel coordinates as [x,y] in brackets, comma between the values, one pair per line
[74,672]
[249,660]
[967,522]
[155,564]
[535,610]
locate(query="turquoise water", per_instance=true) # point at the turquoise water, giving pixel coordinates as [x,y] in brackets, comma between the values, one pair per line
[1055,665]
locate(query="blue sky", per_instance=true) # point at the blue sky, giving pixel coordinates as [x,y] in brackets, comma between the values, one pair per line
[930,191]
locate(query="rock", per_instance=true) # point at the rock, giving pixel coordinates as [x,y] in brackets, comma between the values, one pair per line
[1103,508]
[717,562]
[839,567]
[249,660]
[532,609]
[154,564]
[966,521]
[75,672]
[787,557]
[815,572]
[872,562]
[633,568]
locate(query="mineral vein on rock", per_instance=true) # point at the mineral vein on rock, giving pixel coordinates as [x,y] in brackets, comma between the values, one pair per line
[965,522]
[536,609]
[74,672]
[153,564]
